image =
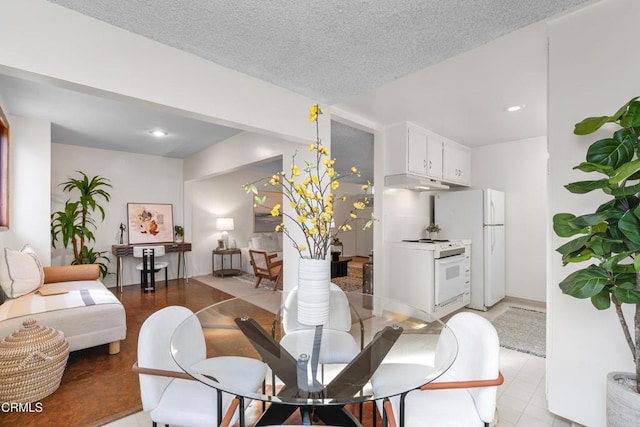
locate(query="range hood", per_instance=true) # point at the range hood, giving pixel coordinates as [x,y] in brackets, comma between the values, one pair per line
[413,182]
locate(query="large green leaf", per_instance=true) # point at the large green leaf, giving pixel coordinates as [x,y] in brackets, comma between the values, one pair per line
[590,125]
[626,191]
[611,152]
[601,300]
[601,246]
[595,167]
[585,283]
[582,187]
[588,220]
[574,247]
[613,261]
[629,224]
[601,227]
[625,280]
[563,228]
[627,294]
[621,110]
[632,118]
[625,171]
[582,256]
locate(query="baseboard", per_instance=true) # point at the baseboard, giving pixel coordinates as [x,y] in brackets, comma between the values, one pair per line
[524,301]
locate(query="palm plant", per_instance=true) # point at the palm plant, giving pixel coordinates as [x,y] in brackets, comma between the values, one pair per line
[75,224]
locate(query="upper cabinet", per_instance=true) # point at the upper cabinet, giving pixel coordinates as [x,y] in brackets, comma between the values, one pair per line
[456,163]
[411,149]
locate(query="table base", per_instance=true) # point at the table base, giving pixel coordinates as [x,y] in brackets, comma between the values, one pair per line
[277,414]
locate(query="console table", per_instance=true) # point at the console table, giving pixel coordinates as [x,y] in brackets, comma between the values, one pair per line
[121,251]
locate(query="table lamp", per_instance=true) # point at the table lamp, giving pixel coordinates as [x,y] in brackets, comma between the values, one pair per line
[225,225]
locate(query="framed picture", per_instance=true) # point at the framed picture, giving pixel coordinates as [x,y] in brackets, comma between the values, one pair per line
[150,223]
[263,221]
[221,244]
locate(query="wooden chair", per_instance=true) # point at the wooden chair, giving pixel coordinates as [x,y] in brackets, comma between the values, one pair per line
[265,268]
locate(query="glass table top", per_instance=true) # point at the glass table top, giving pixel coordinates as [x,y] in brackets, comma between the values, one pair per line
[319,365]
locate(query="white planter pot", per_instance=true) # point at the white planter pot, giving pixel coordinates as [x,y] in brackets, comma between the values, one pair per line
[623,402]
[314,278]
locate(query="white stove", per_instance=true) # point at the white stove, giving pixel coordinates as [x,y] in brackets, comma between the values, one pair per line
[441,248]
[431,275]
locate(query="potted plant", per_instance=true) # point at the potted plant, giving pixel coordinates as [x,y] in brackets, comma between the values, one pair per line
[75,224]
[609,240]
[433,230]
[178,231]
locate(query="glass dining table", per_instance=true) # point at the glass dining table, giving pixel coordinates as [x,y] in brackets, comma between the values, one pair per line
[326,367]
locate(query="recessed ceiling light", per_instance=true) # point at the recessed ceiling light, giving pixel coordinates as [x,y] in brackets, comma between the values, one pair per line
[158,133]
[515,108]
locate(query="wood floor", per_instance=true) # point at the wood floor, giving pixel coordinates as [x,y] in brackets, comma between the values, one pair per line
[97,388]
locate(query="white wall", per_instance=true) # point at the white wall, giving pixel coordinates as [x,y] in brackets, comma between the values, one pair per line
[592,72]
[235,153]
[135,178]
[30,181]
[218,197]
[519,168]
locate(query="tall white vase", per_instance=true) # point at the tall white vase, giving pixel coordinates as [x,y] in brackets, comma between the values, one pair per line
[314,277]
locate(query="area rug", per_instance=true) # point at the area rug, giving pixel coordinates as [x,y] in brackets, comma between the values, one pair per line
[347,283]
[523,330]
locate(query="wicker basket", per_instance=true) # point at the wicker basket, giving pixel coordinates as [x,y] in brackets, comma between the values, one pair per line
[32,361]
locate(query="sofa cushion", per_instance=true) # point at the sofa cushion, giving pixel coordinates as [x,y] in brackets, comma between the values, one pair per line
[256,242]
[270,243]
[20,272]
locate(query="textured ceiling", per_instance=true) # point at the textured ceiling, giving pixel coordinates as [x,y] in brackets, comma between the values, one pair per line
[440,64]
[328,50]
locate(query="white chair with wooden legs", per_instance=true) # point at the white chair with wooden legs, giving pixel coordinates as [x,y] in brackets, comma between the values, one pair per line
[173,397]
[464,396]
[150,265]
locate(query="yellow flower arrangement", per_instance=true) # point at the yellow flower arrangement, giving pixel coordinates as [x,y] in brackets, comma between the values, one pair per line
[312,197]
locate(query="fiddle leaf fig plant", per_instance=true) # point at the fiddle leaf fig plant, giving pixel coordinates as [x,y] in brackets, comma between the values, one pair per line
[609,237]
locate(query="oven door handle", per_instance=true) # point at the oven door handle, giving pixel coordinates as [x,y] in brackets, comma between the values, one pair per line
[451,260]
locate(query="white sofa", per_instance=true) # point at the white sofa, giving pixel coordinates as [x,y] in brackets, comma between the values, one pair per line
[88,314]
[269,242]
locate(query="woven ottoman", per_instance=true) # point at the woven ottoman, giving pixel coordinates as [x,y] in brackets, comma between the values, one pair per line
[32,361]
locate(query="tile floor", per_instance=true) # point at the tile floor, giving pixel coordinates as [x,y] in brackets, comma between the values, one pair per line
[521,399]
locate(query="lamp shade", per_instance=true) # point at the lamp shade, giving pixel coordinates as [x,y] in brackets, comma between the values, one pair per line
[224,224]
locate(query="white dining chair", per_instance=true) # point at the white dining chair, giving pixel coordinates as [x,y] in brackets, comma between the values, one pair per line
[173,397]
[150,265]
[338,345]
[464,396]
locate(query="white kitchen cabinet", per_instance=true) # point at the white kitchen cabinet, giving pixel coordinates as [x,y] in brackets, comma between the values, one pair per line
[414,150]
[456,163]
[434,156]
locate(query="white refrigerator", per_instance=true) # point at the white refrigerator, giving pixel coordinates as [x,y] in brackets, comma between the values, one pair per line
[477,215]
